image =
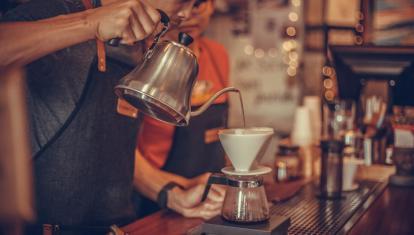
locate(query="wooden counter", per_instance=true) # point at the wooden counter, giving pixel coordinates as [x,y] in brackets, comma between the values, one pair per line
[392,213]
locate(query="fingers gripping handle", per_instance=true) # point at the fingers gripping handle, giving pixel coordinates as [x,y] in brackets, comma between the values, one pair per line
[215,178]
[165,20]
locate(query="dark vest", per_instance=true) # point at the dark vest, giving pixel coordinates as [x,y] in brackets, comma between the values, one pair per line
[190,156]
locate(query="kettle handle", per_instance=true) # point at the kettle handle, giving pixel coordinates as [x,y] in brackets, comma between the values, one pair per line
[205,106]
[165,20]
[215,178]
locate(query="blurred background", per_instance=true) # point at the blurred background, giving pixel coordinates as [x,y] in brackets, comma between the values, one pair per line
[279,50]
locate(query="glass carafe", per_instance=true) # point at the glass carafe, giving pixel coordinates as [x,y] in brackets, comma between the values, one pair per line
[245,200]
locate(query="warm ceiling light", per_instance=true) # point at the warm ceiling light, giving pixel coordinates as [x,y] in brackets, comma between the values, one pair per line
[259,53]
[248,49]
[295,3]
[328,83]
[293,16]
[291,31]
[329,95]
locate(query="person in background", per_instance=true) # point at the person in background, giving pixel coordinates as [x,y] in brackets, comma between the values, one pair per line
[185,155]
[82,137]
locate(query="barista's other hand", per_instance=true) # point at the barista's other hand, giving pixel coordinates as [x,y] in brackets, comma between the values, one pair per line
[188,202]
[131,20]
[200,179]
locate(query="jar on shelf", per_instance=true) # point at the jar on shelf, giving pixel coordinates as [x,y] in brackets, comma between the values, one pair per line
[288,163]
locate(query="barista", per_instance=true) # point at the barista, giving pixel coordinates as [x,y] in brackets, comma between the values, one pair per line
[83,150]
[184,154]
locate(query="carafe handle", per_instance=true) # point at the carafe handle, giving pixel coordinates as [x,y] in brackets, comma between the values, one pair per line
[205,106]
[215,178]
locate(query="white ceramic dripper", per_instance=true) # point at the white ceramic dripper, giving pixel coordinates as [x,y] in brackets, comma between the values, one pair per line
[313,104]
[243,146]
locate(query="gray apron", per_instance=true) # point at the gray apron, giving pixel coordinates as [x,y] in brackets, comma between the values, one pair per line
[83,176]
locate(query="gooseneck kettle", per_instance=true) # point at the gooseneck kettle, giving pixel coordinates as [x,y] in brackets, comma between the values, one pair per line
[161,86]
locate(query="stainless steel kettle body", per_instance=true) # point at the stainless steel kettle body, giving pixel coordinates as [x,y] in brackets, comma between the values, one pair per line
[161,87]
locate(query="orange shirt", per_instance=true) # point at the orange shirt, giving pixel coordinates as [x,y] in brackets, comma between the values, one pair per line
[155,138]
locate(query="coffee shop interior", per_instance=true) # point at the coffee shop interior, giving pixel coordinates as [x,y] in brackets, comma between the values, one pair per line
[317,136]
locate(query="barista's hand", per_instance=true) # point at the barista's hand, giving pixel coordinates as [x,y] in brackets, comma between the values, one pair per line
[188,202]
[131,20]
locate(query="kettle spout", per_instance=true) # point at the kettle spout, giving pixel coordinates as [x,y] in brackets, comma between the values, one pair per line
[205,106]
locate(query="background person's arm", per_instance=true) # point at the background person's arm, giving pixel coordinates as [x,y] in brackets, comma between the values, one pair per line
[24,42]
[149,181]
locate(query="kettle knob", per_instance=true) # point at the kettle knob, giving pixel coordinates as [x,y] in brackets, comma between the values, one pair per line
[185,39]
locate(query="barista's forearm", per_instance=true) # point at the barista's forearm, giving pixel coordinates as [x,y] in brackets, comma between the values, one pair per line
[149,180]
[24,42]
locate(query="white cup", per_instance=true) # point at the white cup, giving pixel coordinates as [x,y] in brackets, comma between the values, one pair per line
[302,129]
[350,166]
[313,103]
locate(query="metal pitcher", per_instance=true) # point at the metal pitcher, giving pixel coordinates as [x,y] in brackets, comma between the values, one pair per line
[161,86]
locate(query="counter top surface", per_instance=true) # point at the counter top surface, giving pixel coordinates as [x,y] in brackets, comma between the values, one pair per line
[392,212]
